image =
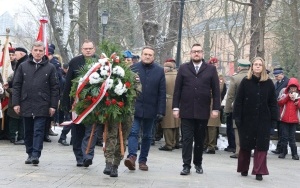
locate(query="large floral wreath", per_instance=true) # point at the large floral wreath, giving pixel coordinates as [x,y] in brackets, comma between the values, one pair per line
[104,91]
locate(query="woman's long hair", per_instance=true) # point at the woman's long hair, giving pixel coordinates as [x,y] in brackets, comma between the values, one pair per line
[263,76]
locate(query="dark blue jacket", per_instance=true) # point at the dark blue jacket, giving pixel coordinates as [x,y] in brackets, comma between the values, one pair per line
[152,100]
[35,88]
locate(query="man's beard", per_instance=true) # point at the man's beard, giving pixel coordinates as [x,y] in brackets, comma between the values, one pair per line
[196,60]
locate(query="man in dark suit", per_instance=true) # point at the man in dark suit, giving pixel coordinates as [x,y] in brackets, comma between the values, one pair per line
[281,82]
[150,105]
[196,81]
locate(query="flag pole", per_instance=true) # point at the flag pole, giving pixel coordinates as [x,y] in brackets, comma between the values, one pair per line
[3,57]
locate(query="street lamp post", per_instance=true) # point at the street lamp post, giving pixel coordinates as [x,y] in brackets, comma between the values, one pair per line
[179,34]
[104,20]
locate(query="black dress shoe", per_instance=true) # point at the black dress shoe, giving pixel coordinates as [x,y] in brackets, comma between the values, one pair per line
[244,173]
[276,151]
[51,133]
[229,150]
[234,156]
[87,162]
[63,142]
[199,169]
[35,160]
[164,148]
[47,139]
[79,164]
[28,160]
[185,171]
[210,151]
[20,142]
[259,177]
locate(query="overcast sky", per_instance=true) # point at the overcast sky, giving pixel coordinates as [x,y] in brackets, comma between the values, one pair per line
[16,6]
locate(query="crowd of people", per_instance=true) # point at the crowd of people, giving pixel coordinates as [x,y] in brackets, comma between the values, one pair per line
[186,105]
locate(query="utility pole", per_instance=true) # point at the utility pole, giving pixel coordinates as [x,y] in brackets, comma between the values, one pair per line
[178,58]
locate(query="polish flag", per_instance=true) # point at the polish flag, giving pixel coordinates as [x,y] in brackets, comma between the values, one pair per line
[42,33]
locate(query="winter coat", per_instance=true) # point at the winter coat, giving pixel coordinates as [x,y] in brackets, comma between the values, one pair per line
[152,100]
[35,88]
[288,109]
[193,91]
[169,121]
[255,109]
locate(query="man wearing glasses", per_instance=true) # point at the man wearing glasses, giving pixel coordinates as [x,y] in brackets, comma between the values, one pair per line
[80,133]
[281,82]
[196,81]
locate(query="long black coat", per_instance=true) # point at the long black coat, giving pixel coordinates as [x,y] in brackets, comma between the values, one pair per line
[152,100]
[255,107]
[193,91]
[35,88]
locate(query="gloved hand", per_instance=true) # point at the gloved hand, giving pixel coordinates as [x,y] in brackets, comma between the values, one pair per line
[159,118]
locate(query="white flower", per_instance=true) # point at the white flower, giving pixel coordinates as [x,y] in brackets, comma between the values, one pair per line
[103,71]
[106,67]
[118,71]
[95,78]
[110,83]
[120,88]
[103,61]
[80,80]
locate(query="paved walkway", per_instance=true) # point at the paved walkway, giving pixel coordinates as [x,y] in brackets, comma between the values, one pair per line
[57,168]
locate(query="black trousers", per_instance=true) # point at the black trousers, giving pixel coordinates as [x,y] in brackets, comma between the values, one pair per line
[193,130]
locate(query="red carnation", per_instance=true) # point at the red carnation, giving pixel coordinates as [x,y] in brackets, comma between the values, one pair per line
[113,101]
[106,94]
[127,84]
[88,97]
[94,99]
[107,102]
[120,104]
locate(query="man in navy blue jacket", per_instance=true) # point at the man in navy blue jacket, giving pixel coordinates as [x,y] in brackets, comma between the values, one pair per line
[149,105]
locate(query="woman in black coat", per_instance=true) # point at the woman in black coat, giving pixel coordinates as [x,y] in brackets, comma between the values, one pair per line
[255,109]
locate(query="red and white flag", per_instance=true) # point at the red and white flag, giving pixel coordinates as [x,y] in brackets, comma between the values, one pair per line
[42,35]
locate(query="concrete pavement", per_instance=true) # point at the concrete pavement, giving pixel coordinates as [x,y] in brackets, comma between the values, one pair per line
[57,168]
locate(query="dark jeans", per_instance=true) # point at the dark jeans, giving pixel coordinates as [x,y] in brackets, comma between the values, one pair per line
[146,125]
[230,131]
[288,134]
[193,130]
[34,135]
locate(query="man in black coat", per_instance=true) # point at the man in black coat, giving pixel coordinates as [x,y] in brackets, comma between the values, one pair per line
[35,97]
[196,81]
[281,82]
[150,105]
[80,133]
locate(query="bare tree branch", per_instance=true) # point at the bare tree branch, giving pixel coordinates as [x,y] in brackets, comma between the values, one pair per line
[241,3]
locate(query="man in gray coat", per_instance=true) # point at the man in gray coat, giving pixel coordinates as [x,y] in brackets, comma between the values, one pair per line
[235,80]
[35,97]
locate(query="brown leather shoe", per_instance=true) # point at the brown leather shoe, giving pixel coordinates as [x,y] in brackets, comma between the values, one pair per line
[130,162]
[143,166]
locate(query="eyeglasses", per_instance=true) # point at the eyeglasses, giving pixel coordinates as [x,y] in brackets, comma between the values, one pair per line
[87,48]
[197,51]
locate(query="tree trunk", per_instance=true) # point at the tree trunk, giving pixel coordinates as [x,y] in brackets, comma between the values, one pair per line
[58,32]
[296,31]
[93,23]
[149,23]
[166,51]
[82,22]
